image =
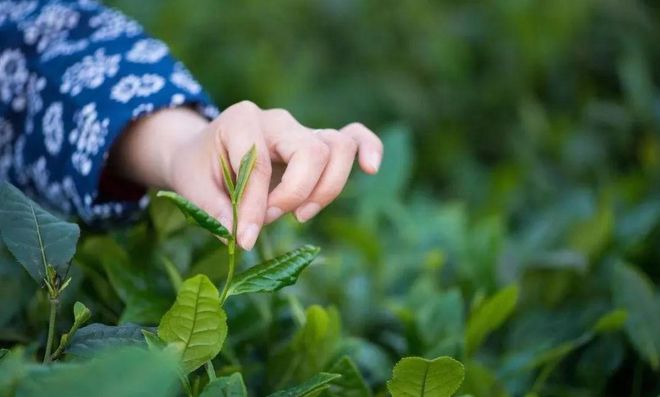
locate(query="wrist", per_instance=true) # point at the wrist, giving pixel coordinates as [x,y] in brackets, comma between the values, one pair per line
[146,152]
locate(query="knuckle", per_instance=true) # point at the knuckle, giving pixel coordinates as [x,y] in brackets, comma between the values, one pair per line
[320,150]
[281,115]
[297,194]
[245,106]
[357,126]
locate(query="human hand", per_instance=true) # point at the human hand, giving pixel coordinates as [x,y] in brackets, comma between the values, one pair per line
[179,150]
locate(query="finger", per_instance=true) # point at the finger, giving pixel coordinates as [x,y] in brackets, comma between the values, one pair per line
[241,130]
[342,154]
[306,156]
[212,200]
[370,148]
[206,192]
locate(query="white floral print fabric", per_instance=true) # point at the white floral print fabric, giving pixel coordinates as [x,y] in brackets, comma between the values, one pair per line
[147,51]
[73,75]
[91,72]
[136,86]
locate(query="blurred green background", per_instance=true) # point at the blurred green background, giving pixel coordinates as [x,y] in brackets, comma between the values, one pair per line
[523,146]
[508,103]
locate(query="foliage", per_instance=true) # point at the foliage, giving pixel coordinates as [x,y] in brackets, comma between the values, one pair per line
[522,149]
[191,334]
[195,326]
[415,376]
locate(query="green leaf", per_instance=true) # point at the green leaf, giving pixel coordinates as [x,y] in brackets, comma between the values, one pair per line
[81,313]
[135,284]
[227,176]
[351,383]
[611,322]
[124,373]
[196,215]
[419,377]
[166,219]
[16,286]
[195,325]
[591,235]
[153,341]
[12,371]
[245,170]
[172,273]
[442,337]
[482,382]
[635,293]
[310,387]
[144,307]
[35,237]
[275,273]
[90,340]
[227,386]
[490,315]
[3,352]
[310,350]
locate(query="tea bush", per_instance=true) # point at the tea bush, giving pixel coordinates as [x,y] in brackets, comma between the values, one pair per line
[514,226]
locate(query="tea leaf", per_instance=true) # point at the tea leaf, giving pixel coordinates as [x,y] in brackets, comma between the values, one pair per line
[90,340]
[227,176]
[245,170]
[227,386]
[172,273]
[611,321]
[153,341]
[135,285]
[311,348]
[195,325]
[489,316]
[275,273]
[16,286]
[310,387]
[419,377]
[634,292]
[196,215]
[127,373]
[351,383]
[35,237]
[481,381]
[166,219]
[81,313]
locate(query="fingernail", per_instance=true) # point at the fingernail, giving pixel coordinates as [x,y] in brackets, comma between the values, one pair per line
[307,211]
[249,236]
[272,214]
[374,161]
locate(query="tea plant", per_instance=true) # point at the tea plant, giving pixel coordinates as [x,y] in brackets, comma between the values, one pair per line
[134,360]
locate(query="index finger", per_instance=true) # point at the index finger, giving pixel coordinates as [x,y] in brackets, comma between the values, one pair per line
[240,131]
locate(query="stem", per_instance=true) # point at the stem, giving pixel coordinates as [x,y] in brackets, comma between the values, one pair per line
[185,383]
[64,341]
[51,329]
[232,253]
[210,370]
[59,350]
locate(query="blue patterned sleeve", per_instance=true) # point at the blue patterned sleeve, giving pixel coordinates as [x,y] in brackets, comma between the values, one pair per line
[73,75]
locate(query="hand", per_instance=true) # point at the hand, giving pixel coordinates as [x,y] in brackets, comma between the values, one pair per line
[179,150]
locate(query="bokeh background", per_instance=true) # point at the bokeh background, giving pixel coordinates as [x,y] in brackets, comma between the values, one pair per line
[523,148]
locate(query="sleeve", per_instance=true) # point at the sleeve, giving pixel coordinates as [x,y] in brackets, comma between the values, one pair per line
[73,75]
